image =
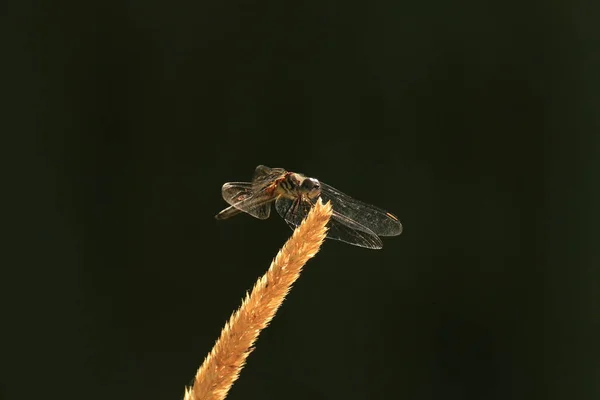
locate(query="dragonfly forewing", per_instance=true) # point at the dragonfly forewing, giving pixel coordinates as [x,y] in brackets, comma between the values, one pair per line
[264,176]
[243,197]
[234,192]
[379,221]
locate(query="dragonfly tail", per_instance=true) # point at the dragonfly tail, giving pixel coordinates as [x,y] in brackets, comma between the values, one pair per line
[228,213]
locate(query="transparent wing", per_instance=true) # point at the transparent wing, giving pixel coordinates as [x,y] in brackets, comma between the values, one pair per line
[242,196]
[293,211]
[234,192]
[340,227]
[374,219]
[264,176]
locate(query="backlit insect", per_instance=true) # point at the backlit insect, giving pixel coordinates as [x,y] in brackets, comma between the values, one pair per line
[353,221]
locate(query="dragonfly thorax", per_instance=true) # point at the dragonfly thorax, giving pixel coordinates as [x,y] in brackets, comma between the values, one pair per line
[296,185]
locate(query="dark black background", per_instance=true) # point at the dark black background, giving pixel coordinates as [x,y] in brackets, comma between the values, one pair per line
[475,122]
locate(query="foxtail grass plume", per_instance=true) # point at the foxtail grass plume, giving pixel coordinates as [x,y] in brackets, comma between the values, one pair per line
[223,364]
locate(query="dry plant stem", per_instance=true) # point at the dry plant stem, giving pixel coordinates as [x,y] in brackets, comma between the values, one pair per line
[223,365]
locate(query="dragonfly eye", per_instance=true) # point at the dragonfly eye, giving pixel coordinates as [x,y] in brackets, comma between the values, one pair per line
[310,184]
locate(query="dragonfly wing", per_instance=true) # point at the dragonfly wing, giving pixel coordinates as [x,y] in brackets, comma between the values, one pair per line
[293,211]
[241,195]
[340,227]
[264,175]
[378,221]
[234,192]
[349,231]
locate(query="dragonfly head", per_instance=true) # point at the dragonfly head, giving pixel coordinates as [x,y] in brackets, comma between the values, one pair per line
[310,187]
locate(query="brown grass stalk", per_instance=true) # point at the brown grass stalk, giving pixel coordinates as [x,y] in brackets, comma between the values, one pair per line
[223,364]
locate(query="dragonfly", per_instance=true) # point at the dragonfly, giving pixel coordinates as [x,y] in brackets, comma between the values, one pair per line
[352,221]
